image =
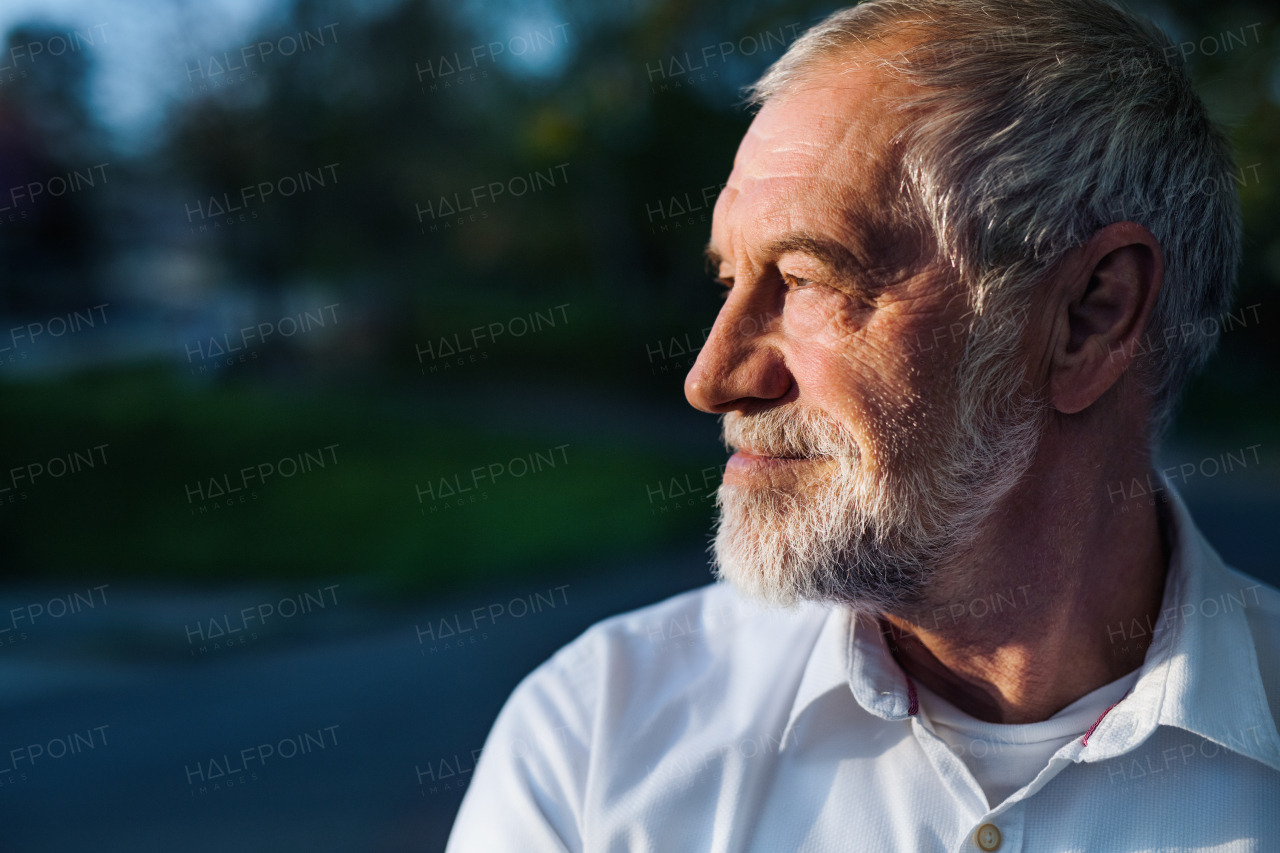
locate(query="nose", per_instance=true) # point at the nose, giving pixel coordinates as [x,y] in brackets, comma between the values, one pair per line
[740,367]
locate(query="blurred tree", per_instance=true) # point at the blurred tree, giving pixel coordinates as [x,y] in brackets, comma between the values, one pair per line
[51,149]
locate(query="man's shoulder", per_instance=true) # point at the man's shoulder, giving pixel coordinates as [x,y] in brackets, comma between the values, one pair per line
[707,634]
[710,614]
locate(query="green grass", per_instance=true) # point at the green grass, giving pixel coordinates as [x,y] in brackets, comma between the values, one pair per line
[132,519]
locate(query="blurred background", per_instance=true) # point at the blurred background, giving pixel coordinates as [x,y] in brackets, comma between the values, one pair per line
[341,353]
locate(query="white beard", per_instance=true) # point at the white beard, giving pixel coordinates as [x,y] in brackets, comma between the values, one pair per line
[873,536]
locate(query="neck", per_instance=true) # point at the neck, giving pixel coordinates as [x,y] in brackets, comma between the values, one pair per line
[1023,632]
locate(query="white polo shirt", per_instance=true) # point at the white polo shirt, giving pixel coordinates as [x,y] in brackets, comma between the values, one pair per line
[706,723]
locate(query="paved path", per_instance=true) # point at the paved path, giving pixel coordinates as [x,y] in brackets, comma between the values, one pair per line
[337,709]
[354,694]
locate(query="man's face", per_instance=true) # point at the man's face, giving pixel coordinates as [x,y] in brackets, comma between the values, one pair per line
[837,364]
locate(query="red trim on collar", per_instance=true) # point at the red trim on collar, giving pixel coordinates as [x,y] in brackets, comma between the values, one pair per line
[1085,742]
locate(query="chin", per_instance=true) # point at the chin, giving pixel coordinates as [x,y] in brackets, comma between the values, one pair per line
[815,544]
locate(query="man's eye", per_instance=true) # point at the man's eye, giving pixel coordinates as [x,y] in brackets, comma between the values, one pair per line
[726,283]
[794,282]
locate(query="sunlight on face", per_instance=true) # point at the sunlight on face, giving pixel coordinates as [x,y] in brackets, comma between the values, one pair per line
[864,464]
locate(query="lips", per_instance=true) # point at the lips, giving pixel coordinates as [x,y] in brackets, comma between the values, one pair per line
[763,454]
[747,461]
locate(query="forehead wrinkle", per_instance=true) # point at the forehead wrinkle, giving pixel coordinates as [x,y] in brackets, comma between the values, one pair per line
[829,160]
[836,150]
[834,212]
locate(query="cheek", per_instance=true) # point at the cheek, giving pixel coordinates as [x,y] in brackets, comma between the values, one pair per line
[858,347]
[850,362]
[835,352]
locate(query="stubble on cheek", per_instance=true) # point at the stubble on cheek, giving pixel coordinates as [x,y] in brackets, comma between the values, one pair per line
[850,365]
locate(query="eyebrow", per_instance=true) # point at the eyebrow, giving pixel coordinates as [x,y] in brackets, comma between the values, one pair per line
[828,252]
[714,258]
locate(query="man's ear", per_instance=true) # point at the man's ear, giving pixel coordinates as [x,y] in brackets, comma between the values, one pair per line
[1102,299]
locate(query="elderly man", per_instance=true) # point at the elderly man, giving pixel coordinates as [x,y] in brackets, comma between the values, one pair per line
[962,612]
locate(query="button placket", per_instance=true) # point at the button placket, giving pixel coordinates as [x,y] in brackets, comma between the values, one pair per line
[951,770]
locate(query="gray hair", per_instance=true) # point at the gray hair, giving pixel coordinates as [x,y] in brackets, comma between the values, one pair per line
[1044,121]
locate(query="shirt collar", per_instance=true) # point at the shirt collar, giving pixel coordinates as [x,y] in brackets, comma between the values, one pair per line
[1201,670]
[1200,674]
[853,654]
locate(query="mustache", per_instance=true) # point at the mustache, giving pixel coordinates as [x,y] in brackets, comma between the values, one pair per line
[788,432]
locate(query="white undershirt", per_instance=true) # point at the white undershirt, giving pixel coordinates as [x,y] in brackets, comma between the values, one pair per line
[1004,758]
